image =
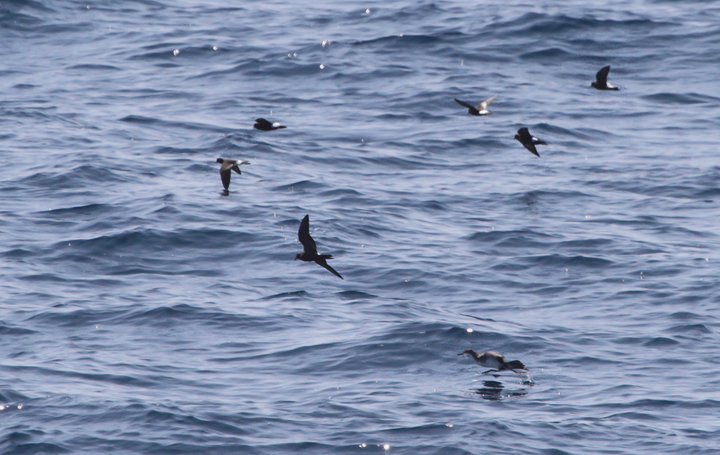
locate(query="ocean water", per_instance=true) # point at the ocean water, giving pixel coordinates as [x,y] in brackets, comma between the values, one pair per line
[144,312]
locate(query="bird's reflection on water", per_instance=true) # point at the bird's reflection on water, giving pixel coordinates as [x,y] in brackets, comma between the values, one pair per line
[496,391]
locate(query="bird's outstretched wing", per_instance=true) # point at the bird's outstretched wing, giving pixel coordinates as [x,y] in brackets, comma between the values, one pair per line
[321,260]
[602,76]
[304,236]
[463,103]
[237,164]
[484,104]
[225,176]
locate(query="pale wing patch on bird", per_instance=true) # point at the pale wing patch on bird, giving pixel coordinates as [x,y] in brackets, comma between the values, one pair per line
[482,106]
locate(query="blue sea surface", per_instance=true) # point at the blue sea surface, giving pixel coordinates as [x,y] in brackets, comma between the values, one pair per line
[144,312]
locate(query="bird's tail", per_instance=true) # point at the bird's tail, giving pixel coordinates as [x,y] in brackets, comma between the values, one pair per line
[325,256]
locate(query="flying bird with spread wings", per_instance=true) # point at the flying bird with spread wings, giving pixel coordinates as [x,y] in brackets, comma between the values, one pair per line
[227,166]
[310,253]
[601,82]
[529,141]
[481,108]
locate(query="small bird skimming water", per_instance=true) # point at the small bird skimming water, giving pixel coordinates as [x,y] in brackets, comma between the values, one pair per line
[309,253]
[529,141]
[265,125]
[601,82]
[495,361]
[481,108]
[227,166]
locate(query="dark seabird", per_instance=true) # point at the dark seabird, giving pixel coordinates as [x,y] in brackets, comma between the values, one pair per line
[481,108]
[309,253]
[495,361]
[601,83]
[523,135]
[264,125]
[227,166]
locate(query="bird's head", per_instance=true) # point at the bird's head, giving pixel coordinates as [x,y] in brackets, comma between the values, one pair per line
[298,256]
[517,136]
[469,352]
[219,160]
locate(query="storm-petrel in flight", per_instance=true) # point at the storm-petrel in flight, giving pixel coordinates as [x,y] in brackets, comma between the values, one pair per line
[309,253]
[495,361]
[481,108]
[523,135]
[264,125]
[227,166]
[601,83]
